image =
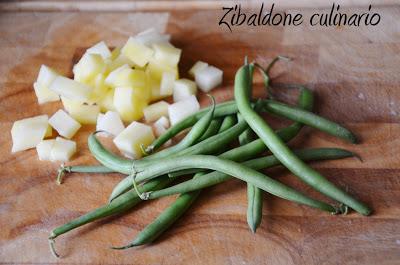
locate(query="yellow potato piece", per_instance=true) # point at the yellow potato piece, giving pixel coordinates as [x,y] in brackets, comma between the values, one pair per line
[84,114]
[129,103]
[136,52]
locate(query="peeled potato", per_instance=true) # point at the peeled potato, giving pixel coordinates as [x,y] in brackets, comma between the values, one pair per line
[129,141]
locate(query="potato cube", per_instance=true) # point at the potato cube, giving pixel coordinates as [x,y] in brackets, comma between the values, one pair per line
[64,124]
[62,150]
[167,84]
[110,122]
[180,110]
[107,102]
[27,133]
[166,53]
[155,111]
[184,88]
[208,78]
[129,103]
[155,70]
[44,94]
[43,149]
[83,113]
[45,77]
[151,36]
[136,52]
[88,67]
[163,121]
[129,141]
[71,89]
[101,49]
[199,65]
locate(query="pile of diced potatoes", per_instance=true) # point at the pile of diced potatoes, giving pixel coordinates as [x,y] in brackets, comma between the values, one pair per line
[112,89]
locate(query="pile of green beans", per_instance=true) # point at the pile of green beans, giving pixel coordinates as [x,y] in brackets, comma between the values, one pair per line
[207,153]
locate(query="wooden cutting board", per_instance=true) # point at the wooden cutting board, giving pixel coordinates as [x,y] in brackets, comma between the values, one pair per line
[354,73]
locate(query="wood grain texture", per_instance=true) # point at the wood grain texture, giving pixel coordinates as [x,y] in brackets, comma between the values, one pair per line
[354,73]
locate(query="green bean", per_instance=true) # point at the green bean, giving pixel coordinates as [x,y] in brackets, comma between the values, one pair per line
[170,215]
[222,109]
[211,130]
[250,150]
[208,146]
[216,177]
[227,123]
[283,153]
[229,167]
[254,194]
[310,119]
[117,206]
[167,218]
[123,165]
[81,169]
[199,129]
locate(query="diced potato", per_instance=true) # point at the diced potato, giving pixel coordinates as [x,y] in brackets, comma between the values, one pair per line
[208,78]
[110,122]
[129,103]
[125,76]
[156,69]
[83,113]
[151,36]
[166,53]
[163,121]
[44,94]
[45,77]
[43,149]
[136,52]
[64,124]
[184,88]
[49,131]
[101,49]
[119,61]
[155,111]
[129,141]
[167,84]
[71,89]
[114,76]
[107,102]
[27,133]
[62,150]
[180,110]
[159,128]
[88,67]
[154,86]
[100,89]
[199,65]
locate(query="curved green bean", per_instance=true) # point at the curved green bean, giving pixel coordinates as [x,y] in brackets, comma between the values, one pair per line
[283,153]
[229,167]
[121,204]
[227,123]
[211,130]
[216,177]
